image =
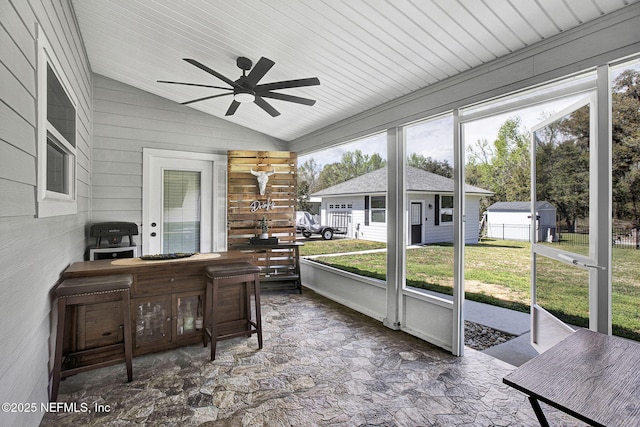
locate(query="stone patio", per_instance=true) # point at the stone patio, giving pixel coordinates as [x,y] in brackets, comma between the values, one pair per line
[322,365]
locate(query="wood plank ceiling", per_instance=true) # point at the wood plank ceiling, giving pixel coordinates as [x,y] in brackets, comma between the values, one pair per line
[365,52]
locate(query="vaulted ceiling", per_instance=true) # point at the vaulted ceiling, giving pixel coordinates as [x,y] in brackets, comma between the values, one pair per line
[365,52]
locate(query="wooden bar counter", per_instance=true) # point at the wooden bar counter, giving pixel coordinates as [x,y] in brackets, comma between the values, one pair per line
[167,297]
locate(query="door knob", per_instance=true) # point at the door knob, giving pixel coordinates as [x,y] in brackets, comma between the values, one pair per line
[153,234]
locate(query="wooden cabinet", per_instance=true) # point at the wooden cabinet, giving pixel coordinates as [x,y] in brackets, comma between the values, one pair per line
[164,297]
[278,262]
[163,301]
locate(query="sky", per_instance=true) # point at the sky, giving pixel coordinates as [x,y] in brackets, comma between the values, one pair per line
[434,138]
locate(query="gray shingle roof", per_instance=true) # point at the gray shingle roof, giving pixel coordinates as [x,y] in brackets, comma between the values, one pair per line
[376,182]
[518,206]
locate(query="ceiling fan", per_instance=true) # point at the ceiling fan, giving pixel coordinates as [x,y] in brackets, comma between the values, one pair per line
[247,89]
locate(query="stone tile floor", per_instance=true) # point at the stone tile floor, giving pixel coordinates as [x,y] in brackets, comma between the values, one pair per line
[322,365]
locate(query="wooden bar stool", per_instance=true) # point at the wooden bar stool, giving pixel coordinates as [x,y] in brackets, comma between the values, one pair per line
[85,291]
[228,303]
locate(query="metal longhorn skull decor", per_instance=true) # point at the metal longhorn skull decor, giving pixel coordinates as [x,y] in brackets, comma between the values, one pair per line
[263,178]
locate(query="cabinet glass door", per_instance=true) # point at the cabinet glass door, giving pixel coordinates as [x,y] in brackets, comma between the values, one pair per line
[152,316]
[188,314]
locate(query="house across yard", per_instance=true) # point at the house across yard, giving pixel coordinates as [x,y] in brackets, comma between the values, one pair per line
[363,202]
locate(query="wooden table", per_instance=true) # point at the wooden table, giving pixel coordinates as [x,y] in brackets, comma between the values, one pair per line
[137,265]
[591,376]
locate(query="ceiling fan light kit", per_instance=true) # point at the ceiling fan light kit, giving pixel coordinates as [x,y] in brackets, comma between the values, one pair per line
[246,89]
[243,97]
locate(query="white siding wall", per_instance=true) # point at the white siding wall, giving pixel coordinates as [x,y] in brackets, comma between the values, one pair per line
[34,251]
[127,119]
[509,225]
[472,223]
[375,231]
[516,225]
[443,232]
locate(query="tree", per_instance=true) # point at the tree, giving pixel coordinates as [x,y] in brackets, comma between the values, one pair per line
[625,144]
[439,167]
[351,165]
[503,166]
[626,147]
[308,176]
[562,168]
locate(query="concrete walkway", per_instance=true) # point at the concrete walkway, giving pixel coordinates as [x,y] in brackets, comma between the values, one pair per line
[516,351]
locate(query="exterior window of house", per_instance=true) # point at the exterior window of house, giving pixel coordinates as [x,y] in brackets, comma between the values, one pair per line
[57,117]
[446,209]
[378,208]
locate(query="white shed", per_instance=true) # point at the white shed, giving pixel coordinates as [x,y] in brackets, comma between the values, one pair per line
[512,221]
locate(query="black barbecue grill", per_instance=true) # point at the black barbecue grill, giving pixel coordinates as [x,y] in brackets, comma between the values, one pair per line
[113,232]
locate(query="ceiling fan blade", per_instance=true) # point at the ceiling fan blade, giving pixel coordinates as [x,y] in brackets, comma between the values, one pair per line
[232,108]
[257,72]
[313,81]
[205,98]
[266,106]
[285,97]
[210,71]
[194,84]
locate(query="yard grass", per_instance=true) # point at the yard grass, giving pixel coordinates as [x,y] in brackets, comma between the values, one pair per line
[337,246]
[498,273]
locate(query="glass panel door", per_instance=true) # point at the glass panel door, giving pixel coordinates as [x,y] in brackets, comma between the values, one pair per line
[178,215]
[416,223]
[181,211]
[562,237]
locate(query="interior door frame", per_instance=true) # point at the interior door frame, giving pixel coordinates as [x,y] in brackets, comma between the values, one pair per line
[219,196]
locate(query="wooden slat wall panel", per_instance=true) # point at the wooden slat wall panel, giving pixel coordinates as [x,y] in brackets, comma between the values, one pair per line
[243,190]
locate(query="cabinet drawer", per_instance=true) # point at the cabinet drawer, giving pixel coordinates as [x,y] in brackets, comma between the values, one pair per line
[167,282]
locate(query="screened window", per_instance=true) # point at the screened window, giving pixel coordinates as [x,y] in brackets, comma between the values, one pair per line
[57,116]
[446,209]
[378,209]
[61,114]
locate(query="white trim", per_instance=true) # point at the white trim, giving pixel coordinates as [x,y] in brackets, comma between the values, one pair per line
[396,227]
[600,308]
[459,218]
[51,203]
[539,340]
[219,198]
[531,97]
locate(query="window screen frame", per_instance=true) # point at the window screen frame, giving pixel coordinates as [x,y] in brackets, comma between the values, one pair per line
[61,199]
